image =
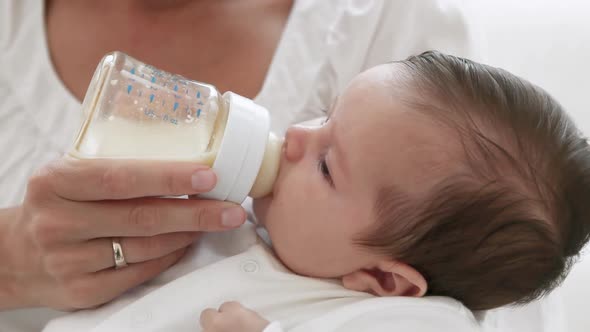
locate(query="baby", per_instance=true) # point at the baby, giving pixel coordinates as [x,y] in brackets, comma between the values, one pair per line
[431,176]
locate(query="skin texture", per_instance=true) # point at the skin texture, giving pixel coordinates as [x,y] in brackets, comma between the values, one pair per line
[240,38]
[371,139]
[230,317]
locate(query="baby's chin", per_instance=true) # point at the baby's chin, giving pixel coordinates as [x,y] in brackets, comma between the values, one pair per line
[260,207]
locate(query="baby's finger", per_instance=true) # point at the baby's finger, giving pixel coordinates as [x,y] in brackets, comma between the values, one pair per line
[209,318]
[230,306]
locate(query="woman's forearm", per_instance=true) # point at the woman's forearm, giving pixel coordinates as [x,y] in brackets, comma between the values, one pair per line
[10,297]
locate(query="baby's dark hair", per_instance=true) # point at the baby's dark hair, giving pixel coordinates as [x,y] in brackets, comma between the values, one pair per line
[507,227]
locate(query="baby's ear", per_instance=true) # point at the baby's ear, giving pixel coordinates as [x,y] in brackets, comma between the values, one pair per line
[387,278]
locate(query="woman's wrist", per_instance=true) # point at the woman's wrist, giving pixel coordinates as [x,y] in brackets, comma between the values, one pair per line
[10,296]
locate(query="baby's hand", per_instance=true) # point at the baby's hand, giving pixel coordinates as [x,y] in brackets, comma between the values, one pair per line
[232,317]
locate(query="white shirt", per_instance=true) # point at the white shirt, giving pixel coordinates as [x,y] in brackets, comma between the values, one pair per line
[324,45]
[258,280]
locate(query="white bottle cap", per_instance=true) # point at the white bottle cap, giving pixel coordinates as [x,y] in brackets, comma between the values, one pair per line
[241,150]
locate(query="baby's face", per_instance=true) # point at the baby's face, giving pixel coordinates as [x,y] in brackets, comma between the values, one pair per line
[330,176]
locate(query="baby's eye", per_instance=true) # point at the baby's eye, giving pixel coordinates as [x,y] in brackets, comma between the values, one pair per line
[323,168]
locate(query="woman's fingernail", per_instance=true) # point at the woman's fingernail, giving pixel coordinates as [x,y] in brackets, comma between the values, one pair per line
[232,217]
[203,180]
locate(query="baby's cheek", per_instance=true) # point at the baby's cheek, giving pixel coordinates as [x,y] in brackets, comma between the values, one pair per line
[294,258]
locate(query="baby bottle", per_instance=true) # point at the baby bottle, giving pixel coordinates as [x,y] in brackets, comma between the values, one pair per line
[135,111]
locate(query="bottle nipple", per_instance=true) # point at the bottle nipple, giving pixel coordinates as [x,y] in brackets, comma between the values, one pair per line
[269,169]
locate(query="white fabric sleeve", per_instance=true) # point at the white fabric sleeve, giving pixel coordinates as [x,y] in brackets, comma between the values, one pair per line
[273,327]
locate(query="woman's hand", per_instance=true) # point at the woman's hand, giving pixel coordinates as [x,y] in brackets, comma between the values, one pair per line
[232,317]
[56,248]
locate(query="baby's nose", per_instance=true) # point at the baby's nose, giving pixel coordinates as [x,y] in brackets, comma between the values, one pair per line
[295,141]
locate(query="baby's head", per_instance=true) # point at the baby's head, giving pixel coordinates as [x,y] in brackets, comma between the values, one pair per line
[435,175]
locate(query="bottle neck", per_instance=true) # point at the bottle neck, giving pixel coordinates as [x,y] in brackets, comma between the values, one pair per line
[241,151]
